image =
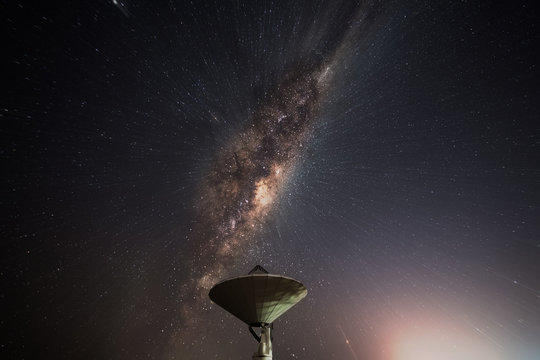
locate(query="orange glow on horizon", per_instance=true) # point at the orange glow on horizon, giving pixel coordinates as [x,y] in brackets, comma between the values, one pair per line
[440,345]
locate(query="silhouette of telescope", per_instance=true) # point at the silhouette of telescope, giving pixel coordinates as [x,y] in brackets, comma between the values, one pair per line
[258,299]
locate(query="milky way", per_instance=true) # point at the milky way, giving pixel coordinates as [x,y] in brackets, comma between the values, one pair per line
[249,175]
[250,172]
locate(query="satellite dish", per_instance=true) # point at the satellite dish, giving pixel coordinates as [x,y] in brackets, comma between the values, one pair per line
[258,299]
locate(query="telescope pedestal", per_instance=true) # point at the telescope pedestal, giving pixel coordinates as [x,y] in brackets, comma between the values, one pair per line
[264,351]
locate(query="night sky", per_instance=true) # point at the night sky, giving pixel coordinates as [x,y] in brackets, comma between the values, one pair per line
[384,154]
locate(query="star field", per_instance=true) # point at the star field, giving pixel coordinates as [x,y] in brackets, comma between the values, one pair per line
[385,154]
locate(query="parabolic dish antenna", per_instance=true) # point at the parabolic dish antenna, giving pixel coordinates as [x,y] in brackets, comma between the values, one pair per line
[258,299]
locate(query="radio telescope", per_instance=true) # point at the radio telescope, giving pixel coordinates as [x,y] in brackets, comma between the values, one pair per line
[258,299]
